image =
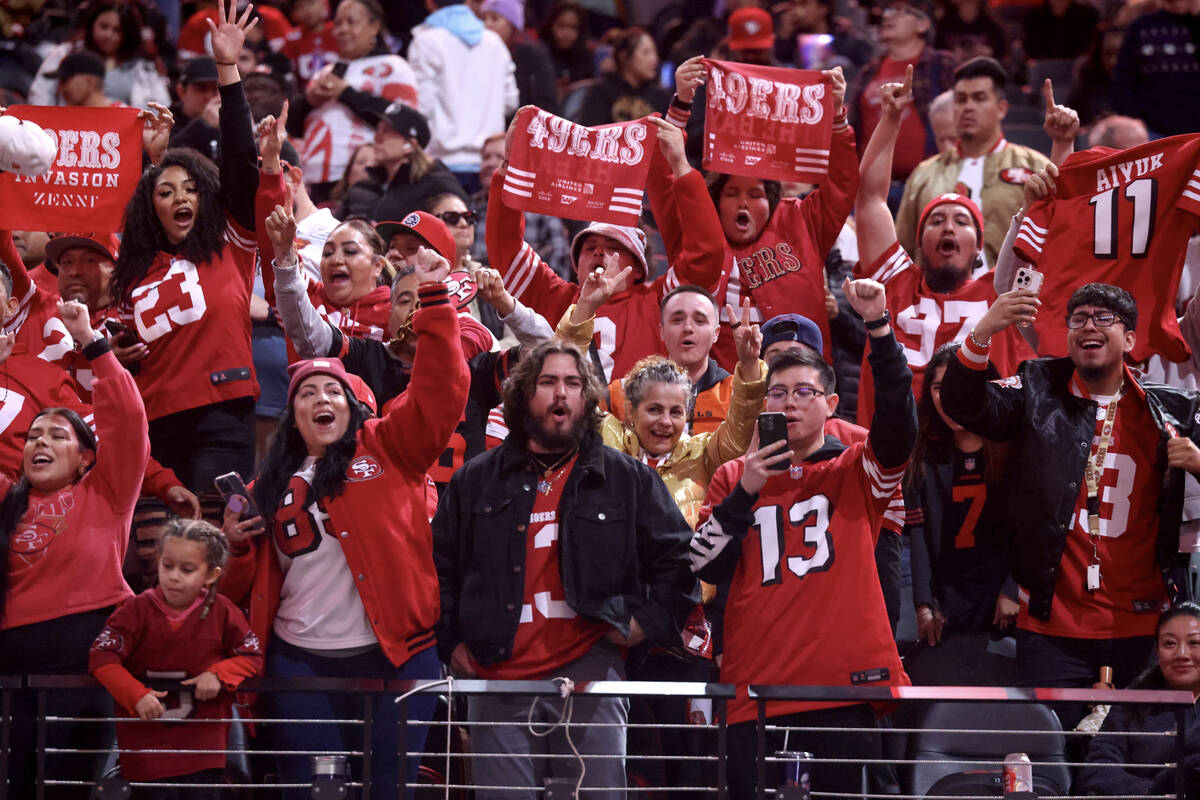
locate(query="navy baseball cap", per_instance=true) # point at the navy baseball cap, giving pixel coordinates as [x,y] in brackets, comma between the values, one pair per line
[792,328]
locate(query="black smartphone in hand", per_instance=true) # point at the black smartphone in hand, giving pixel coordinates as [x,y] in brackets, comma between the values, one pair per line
[772,427]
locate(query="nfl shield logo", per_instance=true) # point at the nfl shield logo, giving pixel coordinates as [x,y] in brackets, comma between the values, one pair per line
[795,472]
[969,464]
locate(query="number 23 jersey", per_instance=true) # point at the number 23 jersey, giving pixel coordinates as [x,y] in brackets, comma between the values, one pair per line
[196,322]
[1120,217]
[805,606]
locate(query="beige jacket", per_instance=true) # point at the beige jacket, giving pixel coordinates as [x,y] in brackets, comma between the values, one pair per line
[1005,171]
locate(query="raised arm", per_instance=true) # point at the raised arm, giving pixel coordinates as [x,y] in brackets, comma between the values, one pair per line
[875,228]
[308,332]
[238,154]
[272,192]
[733,435]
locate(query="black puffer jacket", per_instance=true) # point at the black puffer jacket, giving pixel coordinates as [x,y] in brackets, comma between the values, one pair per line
[1053,430]
[623,548]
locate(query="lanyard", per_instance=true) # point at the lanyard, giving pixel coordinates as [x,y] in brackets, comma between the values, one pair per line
[1092,473]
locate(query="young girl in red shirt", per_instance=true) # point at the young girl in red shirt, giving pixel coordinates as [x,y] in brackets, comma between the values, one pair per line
[182,627]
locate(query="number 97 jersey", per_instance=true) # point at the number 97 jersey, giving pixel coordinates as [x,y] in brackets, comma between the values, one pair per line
[805,606]
[1121,217]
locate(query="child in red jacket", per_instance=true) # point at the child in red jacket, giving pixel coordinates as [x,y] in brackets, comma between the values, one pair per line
[181,628]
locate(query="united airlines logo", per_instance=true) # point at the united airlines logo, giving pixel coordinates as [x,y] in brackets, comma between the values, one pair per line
[363,468]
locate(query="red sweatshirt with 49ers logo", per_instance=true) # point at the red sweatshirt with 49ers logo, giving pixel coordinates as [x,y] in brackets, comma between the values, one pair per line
[64,557]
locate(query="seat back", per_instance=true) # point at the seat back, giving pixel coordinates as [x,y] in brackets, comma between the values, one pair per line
[979,735]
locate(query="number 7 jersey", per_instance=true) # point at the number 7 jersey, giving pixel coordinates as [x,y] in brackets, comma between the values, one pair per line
[1121,217]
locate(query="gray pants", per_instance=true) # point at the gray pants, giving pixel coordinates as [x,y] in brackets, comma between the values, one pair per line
[520,768]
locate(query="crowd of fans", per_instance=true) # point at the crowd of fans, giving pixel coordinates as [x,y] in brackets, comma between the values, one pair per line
[358,417]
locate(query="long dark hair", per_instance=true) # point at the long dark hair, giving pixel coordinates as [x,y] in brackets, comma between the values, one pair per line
[518,389]
[935,440]
[716,184]
[143,236]
[287,452]
[131,28]
[16,502]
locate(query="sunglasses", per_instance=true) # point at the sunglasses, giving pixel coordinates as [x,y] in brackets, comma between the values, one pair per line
[456,218]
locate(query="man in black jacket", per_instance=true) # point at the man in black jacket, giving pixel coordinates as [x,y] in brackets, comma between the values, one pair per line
[554,554]
[1097,486]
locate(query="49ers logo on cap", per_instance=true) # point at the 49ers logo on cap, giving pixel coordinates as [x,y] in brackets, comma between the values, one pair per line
[411,220]
[363,468]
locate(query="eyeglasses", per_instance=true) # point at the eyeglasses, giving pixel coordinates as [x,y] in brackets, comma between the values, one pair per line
[901,9]
[456,218]
[1101,319]
[801,394]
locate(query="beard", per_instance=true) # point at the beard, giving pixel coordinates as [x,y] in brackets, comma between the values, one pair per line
[555,439]
[946,277]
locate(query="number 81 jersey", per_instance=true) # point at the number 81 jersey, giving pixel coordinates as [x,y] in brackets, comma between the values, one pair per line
[1121,217]
[805,605]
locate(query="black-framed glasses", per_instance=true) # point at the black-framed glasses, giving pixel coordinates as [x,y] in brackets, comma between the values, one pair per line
[801,394]
[454,218]
[1101,319]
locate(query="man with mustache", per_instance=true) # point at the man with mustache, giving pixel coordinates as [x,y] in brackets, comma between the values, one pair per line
[554,555]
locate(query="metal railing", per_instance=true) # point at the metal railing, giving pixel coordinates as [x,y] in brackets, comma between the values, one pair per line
[448,767]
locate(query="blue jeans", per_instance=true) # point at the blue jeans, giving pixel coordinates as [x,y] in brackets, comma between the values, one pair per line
[288,661]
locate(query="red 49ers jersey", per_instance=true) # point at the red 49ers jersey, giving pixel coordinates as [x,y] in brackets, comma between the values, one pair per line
[1119,217]
[924,320]
[27,385]
[805,606]
[196,322]
[550,632]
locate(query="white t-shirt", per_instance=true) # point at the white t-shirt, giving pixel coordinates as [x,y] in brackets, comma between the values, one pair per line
[319,606]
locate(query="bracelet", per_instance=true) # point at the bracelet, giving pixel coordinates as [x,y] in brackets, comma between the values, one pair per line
[975,341]
[875,324]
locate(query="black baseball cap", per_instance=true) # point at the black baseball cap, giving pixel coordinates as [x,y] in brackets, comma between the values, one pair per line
[201,69]
[81,62]
[407,121]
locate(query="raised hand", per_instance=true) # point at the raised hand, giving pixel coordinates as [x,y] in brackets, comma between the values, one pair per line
[1062,123]
[598,289]
[688,76]
[156,131]
[747,338]
[430,266]
[490,285]
[272,134]
[78,321]
[670,142]
[281,229]
[866,297]
[1040,185]
[839,87]
[1019,306]
[895,97]
[229,32]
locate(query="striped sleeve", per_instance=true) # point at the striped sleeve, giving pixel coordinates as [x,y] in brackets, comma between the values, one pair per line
[972,356]
[1189,198]
[893,262]
[1031,237]
[522,271]
[883,482]
[496,431]
[895,517]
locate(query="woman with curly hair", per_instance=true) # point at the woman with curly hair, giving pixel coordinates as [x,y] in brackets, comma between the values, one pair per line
[111,29]
[184,277]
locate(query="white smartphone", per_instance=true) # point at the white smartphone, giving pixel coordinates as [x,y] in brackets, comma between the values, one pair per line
[1028,278]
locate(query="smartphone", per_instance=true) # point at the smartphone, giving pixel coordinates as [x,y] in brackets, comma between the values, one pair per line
[772,427]
[122,335]
[1028,278]
[231,485]
[340,68]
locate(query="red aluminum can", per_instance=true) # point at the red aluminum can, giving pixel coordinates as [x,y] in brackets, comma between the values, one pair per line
[1018,773]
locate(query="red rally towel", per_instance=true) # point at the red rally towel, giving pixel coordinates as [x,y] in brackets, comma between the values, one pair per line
[92,178]
[768,122]
[566,170]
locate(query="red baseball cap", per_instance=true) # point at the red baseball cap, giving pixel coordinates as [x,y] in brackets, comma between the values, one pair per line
[106,244]
[426,227]
[955,199]
[333,367]
[751,29]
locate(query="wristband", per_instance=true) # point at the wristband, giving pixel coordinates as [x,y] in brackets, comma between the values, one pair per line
[876,324]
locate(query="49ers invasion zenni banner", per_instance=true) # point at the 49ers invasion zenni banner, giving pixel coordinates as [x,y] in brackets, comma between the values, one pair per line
[92,178]
[767,122]
[566,170]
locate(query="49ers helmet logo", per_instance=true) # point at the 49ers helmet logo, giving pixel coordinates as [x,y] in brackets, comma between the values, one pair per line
[363,468]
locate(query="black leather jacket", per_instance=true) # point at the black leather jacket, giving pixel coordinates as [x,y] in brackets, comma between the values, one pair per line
[623,548]
[1053,430]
